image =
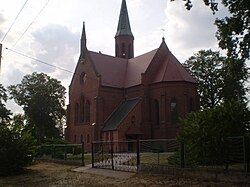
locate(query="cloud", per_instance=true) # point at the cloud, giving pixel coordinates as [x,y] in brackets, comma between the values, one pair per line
[190,31]
[58,46]
[2,20]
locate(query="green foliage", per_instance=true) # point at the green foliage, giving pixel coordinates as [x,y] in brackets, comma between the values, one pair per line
[4,112]
[42,99]
[233,31]
[233,35]
[16,150]
[55,141]
[205,132]
[235,76]
[206,67]
[175,160]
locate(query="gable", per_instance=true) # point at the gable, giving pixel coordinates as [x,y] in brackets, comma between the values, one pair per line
[85,74]
[172,70]
[119,114]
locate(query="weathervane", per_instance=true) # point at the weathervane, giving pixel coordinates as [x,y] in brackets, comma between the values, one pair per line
[163,33]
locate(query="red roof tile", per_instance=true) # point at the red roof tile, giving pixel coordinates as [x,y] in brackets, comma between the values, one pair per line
[172,70]
[111,69]
[137,66]
[123,73]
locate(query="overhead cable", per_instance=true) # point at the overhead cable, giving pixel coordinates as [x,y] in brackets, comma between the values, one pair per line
[33,58]
[27,27]
[14,21]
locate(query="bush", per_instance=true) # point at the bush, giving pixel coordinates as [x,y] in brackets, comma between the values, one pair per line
[16,150]
[205,132]
[55,141]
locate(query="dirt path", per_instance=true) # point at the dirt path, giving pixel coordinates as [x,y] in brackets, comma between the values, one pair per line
[55,175]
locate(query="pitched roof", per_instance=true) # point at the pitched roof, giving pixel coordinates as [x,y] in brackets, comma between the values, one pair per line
[111,69]
[136,66]
[124,73]
[172,70]
[119,114]
[123,27]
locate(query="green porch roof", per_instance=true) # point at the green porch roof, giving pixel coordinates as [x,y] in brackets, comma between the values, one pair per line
[119,114]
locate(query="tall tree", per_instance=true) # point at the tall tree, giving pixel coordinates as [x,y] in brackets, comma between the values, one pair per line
[16,149]
[233,31]
[43,101]
[4,112]
[206,132]
[235,77]
[233,35]
[206,67]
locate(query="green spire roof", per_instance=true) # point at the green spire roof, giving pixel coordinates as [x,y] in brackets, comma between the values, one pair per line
[123,28]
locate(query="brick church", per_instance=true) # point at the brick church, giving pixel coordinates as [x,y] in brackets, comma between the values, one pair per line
[124,97]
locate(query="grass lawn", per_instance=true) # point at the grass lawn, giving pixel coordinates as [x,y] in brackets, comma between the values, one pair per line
[155,158]
[51,174]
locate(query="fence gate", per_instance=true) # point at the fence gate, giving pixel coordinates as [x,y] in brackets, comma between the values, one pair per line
[116,155]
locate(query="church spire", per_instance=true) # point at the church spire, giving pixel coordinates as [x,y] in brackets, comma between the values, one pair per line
[83,43]
[124,39]
[123,27]
[83,38]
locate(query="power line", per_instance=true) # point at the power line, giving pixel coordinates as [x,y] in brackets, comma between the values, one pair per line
[14,21]
[48,64]
[28,27]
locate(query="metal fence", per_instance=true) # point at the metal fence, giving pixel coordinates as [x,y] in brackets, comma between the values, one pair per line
[167,153]
[158,154]
[133,155]
[149,155]
[116,155]
[238,154]
[66,153]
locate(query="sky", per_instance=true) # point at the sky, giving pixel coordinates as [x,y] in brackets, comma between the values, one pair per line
[50,30]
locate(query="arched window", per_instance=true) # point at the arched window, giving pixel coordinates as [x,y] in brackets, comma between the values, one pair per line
[82,109]
[107,136]
[81,140]
[87,111]
[88,139]
[76,113]
[117,50]
[191,105]
[75,138]
[129,51]
[133,120]
[123,50]
[174,111]
[157,112]
[83,77]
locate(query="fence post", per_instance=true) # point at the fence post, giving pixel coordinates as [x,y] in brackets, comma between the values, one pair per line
[92,152]
[83,163]
[65,152]
[182,155]
[138,154]
[112,154]
[53,151]
[246,153]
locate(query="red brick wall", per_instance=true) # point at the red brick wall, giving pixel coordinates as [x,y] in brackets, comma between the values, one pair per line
[82,131]
[104,100]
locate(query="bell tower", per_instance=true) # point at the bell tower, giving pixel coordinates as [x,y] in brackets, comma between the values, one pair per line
[124,39]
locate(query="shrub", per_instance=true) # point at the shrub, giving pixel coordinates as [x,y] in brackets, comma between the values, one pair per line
[205,132]
[16,150]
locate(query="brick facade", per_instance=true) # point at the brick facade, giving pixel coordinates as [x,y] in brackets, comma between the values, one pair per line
[103,87]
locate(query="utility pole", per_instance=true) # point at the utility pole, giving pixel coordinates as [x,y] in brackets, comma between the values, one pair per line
[0,55]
